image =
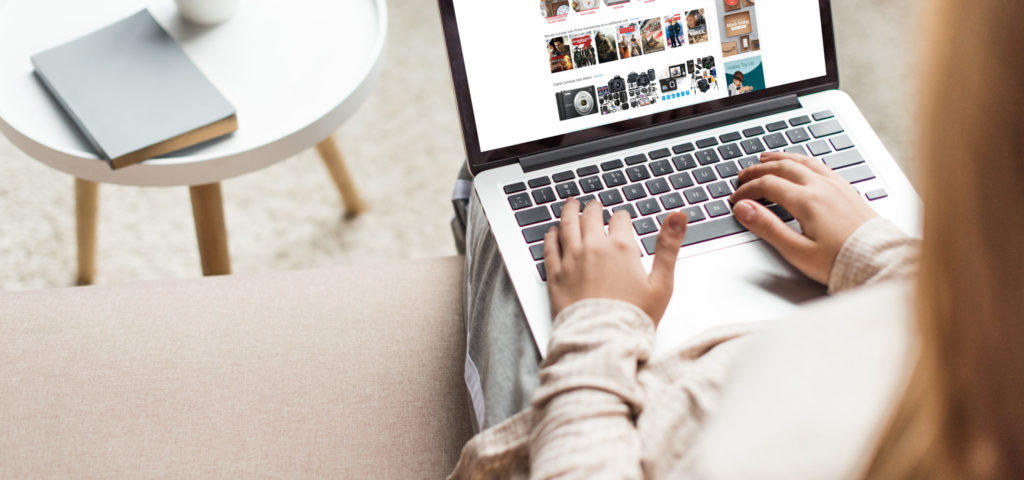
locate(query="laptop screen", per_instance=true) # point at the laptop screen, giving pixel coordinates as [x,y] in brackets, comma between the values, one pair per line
[543,69]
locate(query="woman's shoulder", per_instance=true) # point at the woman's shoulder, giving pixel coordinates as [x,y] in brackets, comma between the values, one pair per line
[809,397]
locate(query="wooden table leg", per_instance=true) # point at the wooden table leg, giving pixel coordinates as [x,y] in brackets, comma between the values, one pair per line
[86,208]
[335,162]
[211,232]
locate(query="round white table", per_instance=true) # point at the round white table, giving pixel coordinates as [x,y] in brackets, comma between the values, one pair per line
[294,70]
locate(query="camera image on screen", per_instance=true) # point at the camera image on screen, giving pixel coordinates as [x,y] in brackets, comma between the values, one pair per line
[576,103]
[668,85]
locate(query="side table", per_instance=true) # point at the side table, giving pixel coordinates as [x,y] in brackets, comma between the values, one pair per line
[289,68]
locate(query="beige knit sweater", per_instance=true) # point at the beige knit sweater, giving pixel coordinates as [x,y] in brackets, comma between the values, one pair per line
[806,402]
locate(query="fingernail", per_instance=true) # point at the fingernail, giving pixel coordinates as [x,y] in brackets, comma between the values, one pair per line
[744,212]
[678,223]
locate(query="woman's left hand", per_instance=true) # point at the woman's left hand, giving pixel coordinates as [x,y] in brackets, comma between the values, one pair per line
[584,262]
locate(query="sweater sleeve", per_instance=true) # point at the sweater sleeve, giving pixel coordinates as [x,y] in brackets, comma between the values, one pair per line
[877,251]
[589,395]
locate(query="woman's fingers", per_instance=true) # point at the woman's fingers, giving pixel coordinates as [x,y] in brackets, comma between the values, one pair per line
[552,253]
[791,170]
[770,187]
[592,222]
[621,226]
[569,229]
[666,250]
[812,163]
[765,224]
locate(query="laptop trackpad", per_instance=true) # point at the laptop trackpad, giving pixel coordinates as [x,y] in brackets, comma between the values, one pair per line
[739,284]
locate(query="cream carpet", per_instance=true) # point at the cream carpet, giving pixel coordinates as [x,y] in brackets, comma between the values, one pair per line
[404,147]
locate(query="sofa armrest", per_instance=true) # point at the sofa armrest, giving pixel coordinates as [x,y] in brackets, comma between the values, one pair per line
[351,372]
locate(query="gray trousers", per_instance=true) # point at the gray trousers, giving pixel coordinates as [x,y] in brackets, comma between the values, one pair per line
[501,357]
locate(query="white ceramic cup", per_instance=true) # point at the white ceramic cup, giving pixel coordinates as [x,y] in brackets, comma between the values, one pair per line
[207,12]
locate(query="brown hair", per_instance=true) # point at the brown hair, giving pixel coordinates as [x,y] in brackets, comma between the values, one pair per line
[738,75]
[960,414]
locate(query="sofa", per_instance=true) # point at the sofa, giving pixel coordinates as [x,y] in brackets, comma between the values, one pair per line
[349,372]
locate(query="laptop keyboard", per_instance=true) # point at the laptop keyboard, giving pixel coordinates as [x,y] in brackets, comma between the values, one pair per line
[693,177]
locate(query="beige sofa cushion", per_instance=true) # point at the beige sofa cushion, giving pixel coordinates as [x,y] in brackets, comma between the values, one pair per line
[351,372]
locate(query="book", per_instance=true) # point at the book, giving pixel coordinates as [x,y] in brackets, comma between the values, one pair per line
[133,92]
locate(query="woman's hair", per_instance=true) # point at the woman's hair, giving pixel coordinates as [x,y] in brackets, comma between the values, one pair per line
[960,415]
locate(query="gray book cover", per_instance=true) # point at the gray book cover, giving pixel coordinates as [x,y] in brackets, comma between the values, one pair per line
[134,92]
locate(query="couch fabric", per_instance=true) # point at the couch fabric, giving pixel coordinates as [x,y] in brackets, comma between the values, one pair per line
[352,372]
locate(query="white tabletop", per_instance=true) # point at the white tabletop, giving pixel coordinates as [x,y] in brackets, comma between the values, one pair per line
[294,70]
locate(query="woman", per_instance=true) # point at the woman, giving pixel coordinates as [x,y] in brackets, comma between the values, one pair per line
[919,378]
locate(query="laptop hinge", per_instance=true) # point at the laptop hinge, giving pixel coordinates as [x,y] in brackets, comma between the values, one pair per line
[623,141]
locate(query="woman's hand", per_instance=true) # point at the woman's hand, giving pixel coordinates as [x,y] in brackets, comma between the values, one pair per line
[828,208]
[584,262]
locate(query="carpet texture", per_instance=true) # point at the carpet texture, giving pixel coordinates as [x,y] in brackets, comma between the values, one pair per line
[404,147]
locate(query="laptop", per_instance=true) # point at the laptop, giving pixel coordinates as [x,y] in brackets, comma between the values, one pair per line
[653,107]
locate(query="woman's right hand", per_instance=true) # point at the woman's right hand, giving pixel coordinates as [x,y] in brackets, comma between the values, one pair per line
[828,208]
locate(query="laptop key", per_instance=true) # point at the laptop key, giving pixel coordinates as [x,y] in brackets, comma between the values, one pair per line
[607,216]
[727,170]
[719,189]
[845,159]
[681,181]
[735,182]
[520,201]
[584,200]
[611,165]
[717,208]
[824,115]
[684,162]
[775,141]
[706,231]
[537,251]
[797,150]
[659,154]
[661,167]
[798,135]
[544,195]
[532,216]
[634,191]
[657,186]
[707,142]
[683,148]
[730,137]
[566,190]
[614,179]
[610,197]
[539,182]
[876,194]
[672,200]
[857,174]
[776,126]
[819,148]
[645,226]
[590,184]
[825,129]
[695,195]
[841,143]
[748,162]
[694,214]
[628,208]
[515,188]
[781,212]
[753,132]
[563,176]
[637,173]
[704,175]
[542,271]
[648,206]
[707,157]
[752,146]
[587,171]
[801,120]
[635,159]
[536,233]
[730,151]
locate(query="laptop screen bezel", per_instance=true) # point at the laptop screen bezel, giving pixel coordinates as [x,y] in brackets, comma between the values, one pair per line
[479,161]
